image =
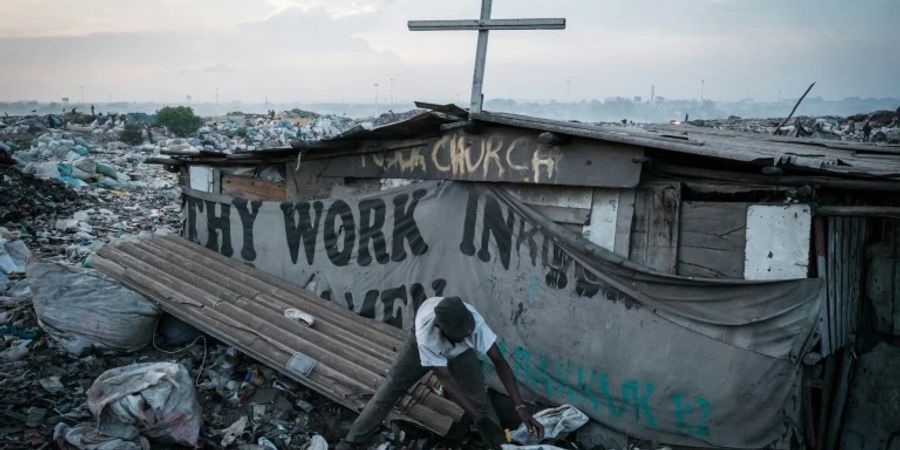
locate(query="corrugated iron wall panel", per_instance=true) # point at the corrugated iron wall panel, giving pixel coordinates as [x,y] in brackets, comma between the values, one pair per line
[844,269]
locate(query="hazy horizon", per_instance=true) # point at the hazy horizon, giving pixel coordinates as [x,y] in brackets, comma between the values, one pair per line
[313,51]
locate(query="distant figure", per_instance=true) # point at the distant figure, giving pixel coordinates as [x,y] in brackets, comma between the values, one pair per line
[867,131]
[149,133]
[93,114]
[686,117]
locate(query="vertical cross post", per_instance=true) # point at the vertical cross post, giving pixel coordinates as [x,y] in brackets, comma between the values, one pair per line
[480,59]
[484,24]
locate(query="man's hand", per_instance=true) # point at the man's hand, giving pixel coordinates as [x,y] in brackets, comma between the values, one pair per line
[534,427]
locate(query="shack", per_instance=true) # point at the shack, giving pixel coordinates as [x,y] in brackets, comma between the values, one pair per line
[684,285]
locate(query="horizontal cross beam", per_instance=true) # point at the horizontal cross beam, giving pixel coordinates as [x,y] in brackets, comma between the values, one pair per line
[487,24]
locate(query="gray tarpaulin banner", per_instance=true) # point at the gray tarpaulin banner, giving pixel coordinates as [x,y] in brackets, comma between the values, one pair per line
[684,361]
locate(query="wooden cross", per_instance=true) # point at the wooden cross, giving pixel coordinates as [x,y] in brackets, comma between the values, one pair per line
[483,26]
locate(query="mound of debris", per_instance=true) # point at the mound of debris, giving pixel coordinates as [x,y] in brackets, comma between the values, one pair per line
[877,127]
[26,198]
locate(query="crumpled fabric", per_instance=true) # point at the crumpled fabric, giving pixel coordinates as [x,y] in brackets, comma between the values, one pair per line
[556,421]
[86,436]
[157,399]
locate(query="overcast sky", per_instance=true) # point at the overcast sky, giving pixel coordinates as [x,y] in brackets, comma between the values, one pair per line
[335,50]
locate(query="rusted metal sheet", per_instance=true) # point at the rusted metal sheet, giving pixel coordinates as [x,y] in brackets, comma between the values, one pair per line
[342,356]
[253,189]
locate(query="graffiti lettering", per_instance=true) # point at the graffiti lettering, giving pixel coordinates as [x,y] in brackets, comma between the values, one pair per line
[634,399]
[405,227]
[218,228]
[498,226]
[467,156]
[398,305]
[194,205]
[371,221]
[248,216]
[298,225]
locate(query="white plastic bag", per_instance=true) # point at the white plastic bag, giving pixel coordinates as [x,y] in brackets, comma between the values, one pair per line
[562,419]
[156,398]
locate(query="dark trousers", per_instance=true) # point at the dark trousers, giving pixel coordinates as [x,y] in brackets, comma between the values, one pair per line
[406,370]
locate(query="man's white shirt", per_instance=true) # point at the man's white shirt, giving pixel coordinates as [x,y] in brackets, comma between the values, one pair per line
[435,349]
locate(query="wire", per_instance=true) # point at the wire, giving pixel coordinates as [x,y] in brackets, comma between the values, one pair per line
[174,352]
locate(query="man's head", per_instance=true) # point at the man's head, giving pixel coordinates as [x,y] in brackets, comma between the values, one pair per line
[454,319]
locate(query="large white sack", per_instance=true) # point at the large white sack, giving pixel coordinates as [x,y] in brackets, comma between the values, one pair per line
[157,398]
[81,310]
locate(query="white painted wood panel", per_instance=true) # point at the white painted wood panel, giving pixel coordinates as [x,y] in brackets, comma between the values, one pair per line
[610,220]
[203,178]
[601,229]
[778,238]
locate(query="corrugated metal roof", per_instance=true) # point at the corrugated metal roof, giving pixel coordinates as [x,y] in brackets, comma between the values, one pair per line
[824,156]
[245,307]
[831,157]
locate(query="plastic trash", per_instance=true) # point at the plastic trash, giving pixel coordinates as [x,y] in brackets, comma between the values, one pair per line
[299,316]
[72,181]
[81,310]
[317,442]
[85,436]
[233,431]
[158,399]
[265,443]
[13,256]
[562,419]
[108,171]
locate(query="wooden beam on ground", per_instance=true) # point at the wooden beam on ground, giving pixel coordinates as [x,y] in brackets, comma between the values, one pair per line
[858,211]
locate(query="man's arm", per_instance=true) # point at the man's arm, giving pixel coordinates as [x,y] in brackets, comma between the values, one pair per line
[456,392]
[505,373]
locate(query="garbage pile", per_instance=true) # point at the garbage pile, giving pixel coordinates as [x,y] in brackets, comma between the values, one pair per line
[174,385]
[238,132]
[876,127]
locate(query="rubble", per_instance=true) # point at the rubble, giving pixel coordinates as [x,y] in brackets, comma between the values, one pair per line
[883,127]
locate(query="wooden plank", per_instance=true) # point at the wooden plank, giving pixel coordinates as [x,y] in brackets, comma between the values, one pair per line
[495,154]
[487,24]
[654,234]
[305,184]
[624,219]
[564,196]
[253,189]
[563,215]
[778,238]
[712,239]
